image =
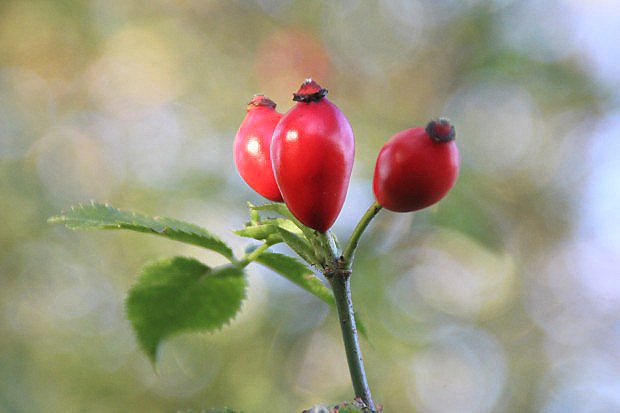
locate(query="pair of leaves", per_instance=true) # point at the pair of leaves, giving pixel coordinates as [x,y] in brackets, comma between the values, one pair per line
[174,295]
[182,294]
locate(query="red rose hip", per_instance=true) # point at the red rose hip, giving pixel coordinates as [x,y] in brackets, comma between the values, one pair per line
[252,147]
[312,154]
[416,167]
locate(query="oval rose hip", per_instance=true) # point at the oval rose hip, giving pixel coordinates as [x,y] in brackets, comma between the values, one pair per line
[252,147]
[416,167]
[312,154]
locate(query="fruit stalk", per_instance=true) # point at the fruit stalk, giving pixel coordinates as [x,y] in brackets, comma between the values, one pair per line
[349,250]
[339,278]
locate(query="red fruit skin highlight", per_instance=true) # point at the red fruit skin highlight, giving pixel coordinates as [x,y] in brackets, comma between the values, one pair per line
[416,167]
[252,147]
[312,154]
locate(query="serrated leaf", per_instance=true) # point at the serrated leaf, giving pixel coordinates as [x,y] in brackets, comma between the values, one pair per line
[182,295]
[298,273]
[104,216]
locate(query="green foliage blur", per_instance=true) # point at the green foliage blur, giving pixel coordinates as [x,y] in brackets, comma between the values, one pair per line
[475,305]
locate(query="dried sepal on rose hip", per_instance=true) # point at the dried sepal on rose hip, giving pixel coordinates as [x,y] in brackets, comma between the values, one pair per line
[312,154]
[252,147]
[416,167]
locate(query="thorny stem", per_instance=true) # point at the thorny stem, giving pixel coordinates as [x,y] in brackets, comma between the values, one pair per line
[349,250]
[339,278]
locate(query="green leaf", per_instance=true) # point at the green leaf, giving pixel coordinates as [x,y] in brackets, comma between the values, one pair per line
[268,230]
[181,295]
[277,207]
[260,232]
[275,230]
[254,215]
[287,225]
[322,250]
[304,277]
[298,273]
[282,210]
[104,216]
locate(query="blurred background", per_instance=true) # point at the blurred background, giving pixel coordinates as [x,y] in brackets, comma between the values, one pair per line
[503,298]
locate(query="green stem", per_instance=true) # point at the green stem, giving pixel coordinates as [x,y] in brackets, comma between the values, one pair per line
[349,250]
[341,286]
[248,258]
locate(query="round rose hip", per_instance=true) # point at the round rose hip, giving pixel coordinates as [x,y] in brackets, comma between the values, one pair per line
[416,167]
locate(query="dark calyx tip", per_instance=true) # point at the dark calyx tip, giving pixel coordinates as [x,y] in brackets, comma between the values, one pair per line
[261,100]
[309,91]
[440,130]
